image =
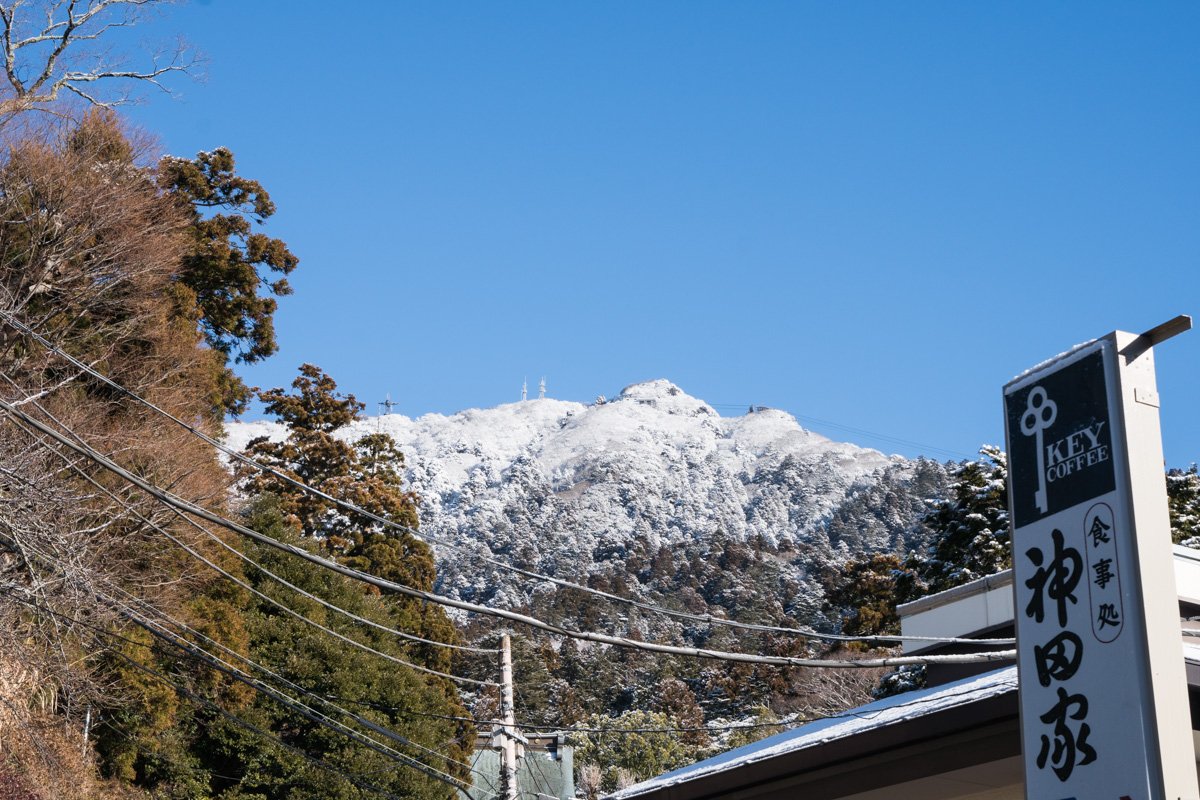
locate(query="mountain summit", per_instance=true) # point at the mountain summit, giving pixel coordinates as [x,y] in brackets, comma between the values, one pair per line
[608,493]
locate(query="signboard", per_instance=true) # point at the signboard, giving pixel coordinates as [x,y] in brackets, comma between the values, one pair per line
[1104,706]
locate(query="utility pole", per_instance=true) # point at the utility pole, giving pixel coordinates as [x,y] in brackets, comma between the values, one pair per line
[506,735]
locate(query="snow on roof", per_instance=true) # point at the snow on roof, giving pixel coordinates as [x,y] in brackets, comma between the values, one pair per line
[879,714]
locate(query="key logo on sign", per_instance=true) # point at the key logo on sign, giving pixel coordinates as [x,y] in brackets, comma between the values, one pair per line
[1040,413]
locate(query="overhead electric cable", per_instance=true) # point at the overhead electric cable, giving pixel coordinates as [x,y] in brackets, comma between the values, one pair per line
[714,728]
[245,558]
[214,662]
[199,654]
[345,505]
[143,620]
[783,723]
[361,784]
[256,592]
[191,508]
[292,685]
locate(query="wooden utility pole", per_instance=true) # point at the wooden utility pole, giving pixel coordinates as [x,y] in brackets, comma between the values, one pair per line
[507,732]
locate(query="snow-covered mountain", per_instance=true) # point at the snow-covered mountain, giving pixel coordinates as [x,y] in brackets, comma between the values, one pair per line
[653,493]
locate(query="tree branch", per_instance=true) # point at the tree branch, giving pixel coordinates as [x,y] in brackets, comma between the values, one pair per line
[58,54]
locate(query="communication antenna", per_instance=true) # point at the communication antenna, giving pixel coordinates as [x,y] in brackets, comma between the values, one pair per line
[542,388]
[524,389]
[387,404]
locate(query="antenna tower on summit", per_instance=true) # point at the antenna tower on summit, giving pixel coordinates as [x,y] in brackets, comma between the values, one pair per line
[387,404]
[524,389]
[542,388]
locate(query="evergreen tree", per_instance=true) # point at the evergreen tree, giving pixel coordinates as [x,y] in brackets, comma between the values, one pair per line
[971,535]
[626,757]
[674,698]
[1183,500]
[228,264]
[365,473]
[89,256]
[870,588]
[969,539]
[760,728]
[239,764]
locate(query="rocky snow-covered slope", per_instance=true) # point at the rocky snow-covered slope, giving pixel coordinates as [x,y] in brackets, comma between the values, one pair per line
[582,491]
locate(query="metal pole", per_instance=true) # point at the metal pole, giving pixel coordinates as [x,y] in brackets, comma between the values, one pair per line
[508,735]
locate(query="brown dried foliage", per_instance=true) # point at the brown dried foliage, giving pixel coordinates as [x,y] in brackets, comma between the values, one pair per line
[89,252]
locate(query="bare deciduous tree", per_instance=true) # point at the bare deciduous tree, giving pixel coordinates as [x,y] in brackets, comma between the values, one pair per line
[58,48]
[89,248]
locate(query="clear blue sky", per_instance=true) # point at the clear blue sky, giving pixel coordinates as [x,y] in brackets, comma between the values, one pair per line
[868,213]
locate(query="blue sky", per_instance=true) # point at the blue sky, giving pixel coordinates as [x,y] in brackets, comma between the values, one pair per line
[872,214]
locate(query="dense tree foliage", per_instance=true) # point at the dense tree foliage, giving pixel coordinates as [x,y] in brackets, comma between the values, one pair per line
[239,764]
[122,263]
[1183,500]
[870,588]
[228,264]
[365,473]
[89,254]
[640,751]
[971,537]
[968,538]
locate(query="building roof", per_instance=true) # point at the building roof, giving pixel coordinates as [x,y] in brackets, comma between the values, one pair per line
[829,757]
[891,711]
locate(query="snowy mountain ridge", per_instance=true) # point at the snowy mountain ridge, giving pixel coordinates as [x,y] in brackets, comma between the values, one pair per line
[579,490]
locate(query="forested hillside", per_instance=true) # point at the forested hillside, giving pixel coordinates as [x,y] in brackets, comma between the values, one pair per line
[654,496]
[651,495]
[136,639]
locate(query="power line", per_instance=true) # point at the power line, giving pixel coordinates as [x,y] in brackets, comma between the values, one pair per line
[198,653]
[213,706]
[733,726]
[327,701]
[143,621]
[191,508]
[214,662]
[242,458]
[795,721]
[256,592]
[245,558]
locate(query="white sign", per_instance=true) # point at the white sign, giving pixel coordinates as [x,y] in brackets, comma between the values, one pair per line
[1104,707]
